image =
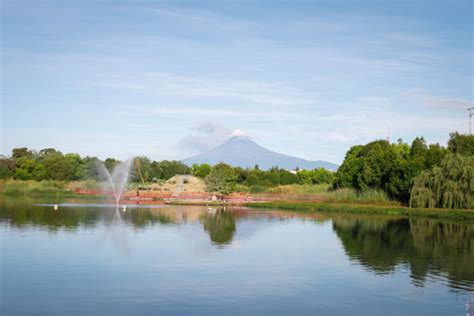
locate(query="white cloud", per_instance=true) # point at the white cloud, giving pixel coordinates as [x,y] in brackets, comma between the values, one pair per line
[427,100]
[207,135]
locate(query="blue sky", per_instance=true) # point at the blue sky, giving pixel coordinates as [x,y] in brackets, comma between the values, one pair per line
[170,79]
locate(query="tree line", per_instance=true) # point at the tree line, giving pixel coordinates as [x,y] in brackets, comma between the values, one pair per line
[419,174]
[51,164]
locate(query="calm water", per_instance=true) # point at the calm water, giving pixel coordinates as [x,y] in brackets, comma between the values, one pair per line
[189,260]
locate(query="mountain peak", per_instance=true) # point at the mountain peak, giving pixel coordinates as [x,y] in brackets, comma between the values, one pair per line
[238,138]
[241,151]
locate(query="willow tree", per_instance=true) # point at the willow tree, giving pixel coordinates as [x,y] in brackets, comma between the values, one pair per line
[449,185]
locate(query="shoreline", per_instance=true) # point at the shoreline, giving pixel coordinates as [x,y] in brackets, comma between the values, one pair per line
[459,214]
[296,206]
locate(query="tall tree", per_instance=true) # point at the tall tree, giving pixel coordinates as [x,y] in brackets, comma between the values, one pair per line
[21,152]
[461,144]
[221,179]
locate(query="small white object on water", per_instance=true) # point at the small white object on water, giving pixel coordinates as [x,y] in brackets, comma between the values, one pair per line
[55,207]
[124,208]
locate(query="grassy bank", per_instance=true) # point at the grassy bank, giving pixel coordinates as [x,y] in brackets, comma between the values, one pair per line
[46,188]
[367,209]
[351,196]
[299,189]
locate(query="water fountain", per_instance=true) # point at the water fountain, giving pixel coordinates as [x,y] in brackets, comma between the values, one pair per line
[117,179]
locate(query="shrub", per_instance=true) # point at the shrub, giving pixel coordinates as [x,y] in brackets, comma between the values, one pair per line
[257,189]
[300,189]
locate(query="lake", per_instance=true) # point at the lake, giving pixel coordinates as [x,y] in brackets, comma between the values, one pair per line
[183,260]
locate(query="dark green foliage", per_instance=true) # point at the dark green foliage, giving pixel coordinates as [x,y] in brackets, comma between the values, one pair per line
[316,176]
[388,167]
[461,144]
[201,170]
[63,167]
[21,152]
[142,170]
[169,168]
[43,153]
[27,168]
[434,155]
[257,189]
[449,185]
[346,175]
[51,164]
[376,165]
[76,167]
[110,163]
[91,166]
[7,167]
[145,170]
[221,179]
[270,178]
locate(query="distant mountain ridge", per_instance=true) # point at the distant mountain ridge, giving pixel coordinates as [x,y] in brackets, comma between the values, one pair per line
[241,151]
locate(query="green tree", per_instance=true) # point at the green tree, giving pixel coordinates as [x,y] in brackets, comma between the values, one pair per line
[201,170]
[25,168]
[92,167]
[39,173]
[221,179]
[110,163]
[450,185]
[7,167]
[169,168]
[346,174]
[142,170]
[29,169]
[461,144]
[43,153]
[316,176]
[385,166]
[418,147]
[287,177]
[435,155]
[76,167]
[57,167]
[21,152]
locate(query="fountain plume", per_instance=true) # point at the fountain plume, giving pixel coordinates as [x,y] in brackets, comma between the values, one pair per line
[117,180]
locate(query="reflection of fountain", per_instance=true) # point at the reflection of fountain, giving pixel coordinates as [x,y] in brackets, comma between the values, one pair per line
[117,179]
[117,232]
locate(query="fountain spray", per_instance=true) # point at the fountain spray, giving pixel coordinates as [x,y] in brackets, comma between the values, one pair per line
[117,179]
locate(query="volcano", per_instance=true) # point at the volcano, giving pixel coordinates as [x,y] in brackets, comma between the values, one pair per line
[241,151]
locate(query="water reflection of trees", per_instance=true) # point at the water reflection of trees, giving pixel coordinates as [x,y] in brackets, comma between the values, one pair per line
[428,246]
[220,225]
[20,212]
